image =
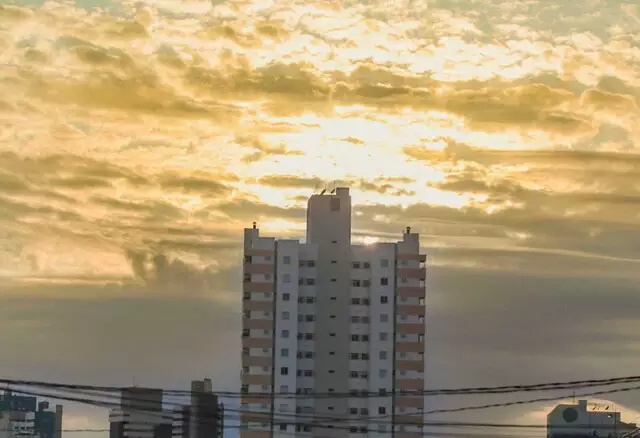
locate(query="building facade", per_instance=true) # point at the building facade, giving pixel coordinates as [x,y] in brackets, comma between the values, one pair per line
[140,415]
[46,423]
[17,424]
[203,418]
[327,317]
[578,421]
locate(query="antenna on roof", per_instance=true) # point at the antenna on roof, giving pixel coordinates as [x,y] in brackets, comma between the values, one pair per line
[334,188]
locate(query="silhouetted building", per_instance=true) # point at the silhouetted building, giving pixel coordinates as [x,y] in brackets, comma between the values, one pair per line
[577,421]
[140,415]
[203,418]
[46,423]
[17,424]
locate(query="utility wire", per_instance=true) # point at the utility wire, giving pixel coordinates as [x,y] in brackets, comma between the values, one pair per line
[267,420]
[427,392]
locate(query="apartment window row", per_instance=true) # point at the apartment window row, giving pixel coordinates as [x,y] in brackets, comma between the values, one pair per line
[305,336]
[362,338]
[304,373]
[307,263]
[361,265]
[360,283]
[307,300]
[359,356]
[306,281]
[360,319]
[359,374]
[363,301]
[365,393]
[306,355]
[363,411]
[248,314]
[307,318]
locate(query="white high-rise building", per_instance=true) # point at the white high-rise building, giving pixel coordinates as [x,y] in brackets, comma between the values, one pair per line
[326,316]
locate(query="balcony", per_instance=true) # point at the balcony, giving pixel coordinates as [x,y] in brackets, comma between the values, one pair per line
[261,306]
[410,309]
[259,252]
[410,347]
[405,401]
[256,361]
[259,268]
[256,379]
[411,291]
[257,342]
[256,399]
[417,328]
[259,324]
[422,258]
[409,385]
[410,365]
[416,273]
[249,287]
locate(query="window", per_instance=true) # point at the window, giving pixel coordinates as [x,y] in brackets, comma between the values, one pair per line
[384,281]
[286,260]
[403,280]
[355,319]
[354,356]
[283,426]
[284,352]
[267,276]
[286,278]
[366,265]
[284,334]
[384,263]
[283,389]
[310,300]
[308,336]
[334,241]
[384,299]
[286,297]
[382,391]
[364,411]
[355,265]
[355,337]
[332,371]
[365,301]
[353,410]
[332,298]
[284,371]
[355,283]
[247,258]
[355,300]
[333,280]
[308,373]
[382,410]
[354,374]
[333,335]
[364,320]
[267,258]
[310,281]
[365,356]
[331,389]
[308,318]
[382,373]
[366,283]
[332,353]
[384,336]
[383,355]
[333,262]
[332,316]
[384,317]
[364,338]
[285,316]
[335,204]
[308,355]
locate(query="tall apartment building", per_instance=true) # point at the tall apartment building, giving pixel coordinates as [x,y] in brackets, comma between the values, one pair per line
[140,415]
[203,418]
[326,316]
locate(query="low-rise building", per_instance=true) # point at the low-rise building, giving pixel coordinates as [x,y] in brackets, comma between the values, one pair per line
[577,421]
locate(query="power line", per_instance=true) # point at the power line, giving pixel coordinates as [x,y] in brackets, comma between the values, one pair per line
[428,392]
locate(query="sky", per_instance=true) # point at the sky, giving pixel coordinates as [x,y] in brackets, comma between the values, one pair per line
[138,139]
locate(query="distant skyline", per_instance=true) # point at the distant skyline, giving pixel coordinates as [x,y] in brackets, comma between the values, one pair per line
[138,139]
